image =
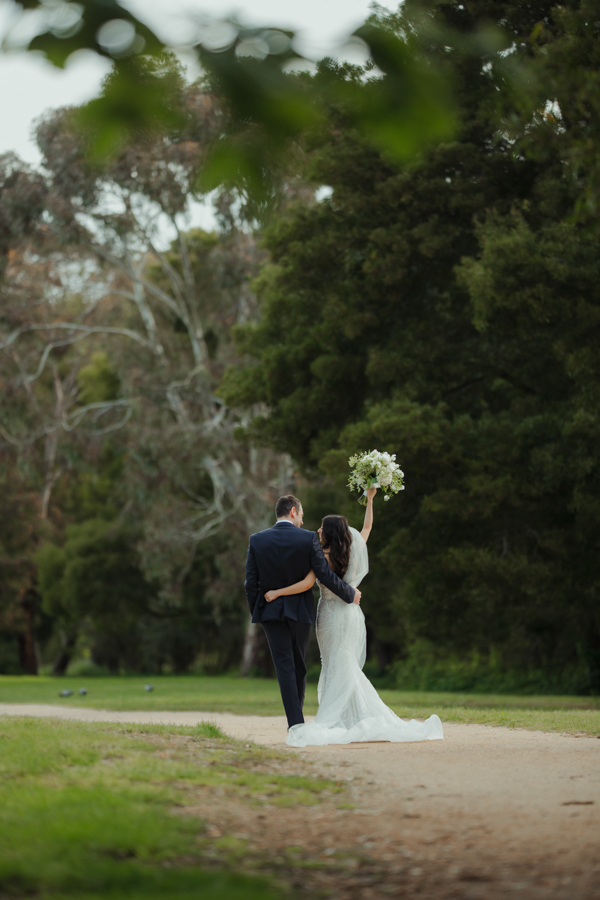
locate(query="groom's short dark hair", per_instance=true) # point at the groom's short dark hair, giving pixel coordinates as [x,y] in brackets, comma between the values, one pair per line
[284,505]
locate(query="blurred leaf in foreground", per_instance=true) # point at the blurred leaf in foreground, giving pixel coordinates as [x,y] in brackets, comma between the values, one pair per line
[142,96]
[103,26]
[400,102]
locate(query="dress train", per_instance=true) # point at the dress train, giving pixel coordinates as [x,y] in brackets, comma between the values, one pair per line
[350,709]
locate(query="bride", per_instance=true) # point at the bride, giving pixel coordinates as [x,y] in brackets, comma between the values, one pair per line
[350,708]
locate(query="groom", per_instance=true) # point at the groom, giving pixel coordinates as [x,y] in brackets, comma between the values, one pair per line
[277,558]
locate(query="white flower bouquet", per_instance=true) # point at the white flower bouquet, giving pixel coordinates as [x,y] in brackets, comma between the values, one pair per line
[375,470]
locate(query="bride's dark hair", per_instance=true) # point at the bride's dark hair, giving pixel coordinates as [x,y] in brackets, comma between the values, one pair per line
[338,540]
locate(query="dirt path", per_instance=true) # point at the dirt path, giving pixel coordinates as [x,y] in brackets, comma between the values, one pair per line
[485,813]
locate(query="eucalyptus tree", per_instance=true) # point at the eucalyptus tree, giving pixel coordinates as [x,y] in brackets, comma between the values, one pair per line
[117,320]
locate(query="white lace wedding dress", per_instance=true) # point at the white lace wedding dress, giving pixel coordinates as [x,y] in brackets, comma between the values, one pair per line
[350,708]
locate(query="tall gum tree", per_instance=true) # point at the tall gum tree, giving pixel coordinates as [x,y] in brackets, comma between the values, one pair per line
[113,272]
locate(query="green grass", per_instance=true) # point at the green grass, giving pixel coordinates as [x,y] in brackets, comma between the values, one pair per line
[572,715]
[257,696]
[99,811]
[564,721]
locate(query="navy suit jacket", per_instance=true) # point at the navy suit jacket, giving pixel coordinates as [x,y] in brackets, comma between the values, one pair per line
[279,557]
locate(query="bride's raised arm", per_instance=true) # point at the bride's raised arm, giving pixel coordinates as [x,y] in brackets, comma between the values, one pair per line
[297,588]
[368,523]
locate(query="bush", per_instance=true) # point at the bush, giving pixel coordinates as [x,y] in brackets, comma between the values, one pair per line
[10,663]
[424,670]
[86,668]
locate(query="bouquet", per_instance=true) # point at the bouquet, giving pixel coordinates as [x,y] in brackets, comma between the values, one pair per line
[375,470]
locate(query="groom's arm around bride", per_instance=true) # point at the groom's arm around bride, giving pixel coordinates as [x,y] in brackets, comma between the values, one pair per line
[281,556]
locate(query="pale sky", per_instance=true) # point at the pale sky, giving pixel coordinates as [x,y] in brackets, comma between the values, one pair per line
[29,85]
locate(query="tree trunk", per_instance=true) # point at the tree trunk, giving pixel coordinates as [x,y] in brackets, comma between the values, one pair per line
[63,659]
[256,658]
[248,653]
[52,473]
[27,654]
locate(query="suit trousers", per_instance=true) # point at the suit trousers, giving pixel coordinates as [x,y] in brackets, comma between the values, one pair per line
[288,642]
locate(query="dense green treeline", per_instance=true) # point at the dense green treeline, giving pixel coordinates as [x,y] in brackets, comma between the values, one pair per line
[449,311]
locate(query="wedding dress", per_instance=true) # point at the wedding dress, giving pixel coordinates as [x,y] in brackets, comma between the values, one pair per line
[350,708]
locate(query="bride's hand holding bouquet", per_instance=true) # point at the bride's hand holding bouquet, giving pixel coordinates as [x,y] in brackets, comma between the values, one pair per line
[374,470]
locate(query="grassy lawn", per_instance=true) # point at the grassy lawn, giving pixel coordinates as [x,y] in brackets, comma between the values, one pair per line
[102,811]
[256,696]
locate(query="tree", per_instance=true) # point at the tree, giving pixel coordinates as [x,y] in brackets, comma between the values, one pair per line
[19,601]
[114,337]
[96,577]
[448,310]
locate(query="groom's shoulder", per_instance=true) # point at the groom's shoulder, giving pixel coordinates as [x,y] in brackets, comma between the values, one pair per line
[260,534]
[288,532]
[265,534]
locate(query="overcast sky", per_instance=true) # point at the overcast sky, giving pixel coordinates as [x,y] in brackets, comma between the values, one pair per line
[29,85]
